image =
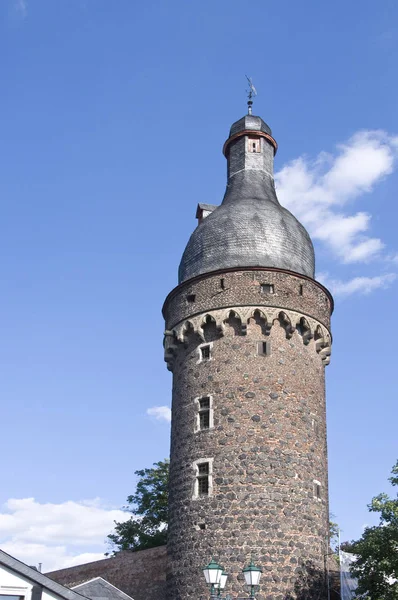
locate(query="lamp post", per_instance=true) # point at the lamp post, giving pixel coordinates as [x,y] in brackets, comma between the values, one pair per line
[216,578]
[252,577]
[213,573]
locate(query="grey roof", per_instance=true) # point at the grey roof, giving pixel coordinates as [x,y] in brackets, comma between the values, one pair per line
[36,577]
[249,229]
[250,122]
[209,207]
[100,589]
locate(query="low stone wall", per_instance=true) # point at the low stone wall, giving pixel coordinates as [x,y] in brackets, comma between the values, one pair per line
[141,575]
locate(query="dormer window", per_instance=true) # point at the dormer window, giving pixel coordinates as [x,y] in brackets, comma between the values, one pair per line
[254,144]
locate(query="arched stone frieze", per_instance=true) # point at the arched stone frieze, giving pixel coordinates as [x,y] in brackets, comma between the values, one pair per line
[292,321]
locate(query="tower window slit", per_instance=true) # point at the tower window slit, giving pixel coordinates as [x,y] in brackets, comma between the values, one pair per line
[191,298]
[205,352]
[203,479]
[264,348]
[315,426]
[301,290]
[317,490]
[267,288]
[204,413]
[254,144]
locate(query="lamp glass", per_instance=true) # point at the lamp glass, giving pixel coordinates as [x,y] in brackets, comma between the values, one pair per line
[223,580]
[212,573]
[252,574]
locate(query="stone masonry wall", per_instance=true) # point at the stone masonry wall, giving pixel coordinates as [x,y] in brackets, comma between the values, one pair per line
[242,288]
[267,447]
[141,575]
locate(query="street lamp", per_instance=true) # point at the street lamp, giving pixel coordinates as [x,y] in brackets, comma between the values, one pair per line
[223,580]
[252,577]
[213,573]
[216,578]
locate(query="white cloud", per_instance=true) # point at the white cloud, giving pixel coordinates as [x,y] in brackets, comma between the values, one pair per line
[161,413]
[22,7]
[57,535]
[357,285]
[393,258]
[317,190]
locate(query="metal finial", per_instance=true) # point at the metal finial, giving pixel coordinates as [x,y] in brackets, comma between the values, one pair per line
[251,93]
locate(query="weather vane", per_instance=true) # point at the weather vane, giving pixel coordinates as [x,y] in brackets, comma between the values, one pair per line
[251,93]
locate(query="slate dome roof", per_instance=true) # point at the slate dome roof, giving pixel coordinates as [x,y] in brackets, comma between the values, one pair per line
[251,123]
[250,228]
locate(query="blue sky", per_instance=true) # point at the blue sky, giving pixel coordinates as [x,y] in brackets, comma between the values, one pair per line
[113,117]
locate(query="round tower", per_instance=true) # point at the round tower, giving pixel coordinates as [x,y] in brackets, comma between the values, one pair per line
[247,339]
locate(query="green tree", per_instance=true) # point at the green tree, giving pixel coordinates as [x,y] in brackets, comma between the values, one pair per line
[376,567]
[148,527]
[333,532]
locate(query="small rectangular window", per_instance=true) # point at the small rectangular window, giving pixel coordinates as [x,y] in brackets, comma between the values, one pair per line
[267,288]
[205,352]
[191,298]
[254,144]
[301,290]
[203,479]
[263,348]
[204,413]
[222,284]
[204,403]
[317,490]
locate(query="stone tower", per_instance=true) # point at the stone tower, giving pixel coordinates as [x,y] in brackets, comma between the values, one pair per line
[247,339]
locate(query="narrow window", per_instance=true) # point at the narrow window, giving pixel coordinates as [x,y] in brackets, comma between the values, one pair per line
[267,288]
[263,348]
[222,284]
[317,490]
[191,297]
[203,479]
[315,426]
[204,413]
[202,526]
[301,290]
[254,144]
[205,352]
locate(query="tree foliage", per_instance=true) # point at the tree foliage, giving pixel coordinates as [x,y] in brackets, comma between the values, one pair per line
[147,527]
[333,532]
[376,567]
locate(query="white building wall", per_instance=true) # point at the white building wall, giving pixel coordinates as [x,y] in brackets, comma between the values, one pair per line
[12,584]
